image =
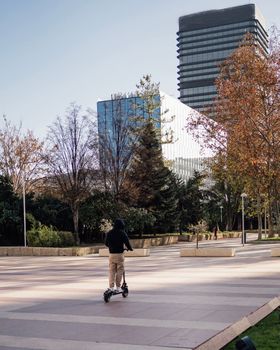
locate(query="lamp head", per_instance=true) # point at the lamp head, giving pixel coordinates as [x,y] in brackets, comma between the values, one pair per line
[245,343]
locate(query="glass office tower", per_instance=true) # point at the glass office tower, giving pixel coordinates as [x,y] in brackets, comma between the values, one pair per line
[205,39]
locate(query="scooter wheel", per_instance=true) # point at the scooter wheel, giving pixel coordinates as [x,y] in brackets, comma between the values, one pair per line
[125,293]
[106,297]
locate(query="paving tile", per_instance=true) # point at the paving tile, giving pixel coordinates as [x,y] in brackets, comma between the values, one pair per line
[199,303]
[87,308]
[188,314]
[140,335]
[168,312]
[185,338]
[58,330]
[12,348]
[231,315]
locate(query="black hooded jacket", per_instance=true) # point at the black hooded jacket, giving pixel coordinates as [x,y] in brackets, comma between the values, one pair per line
[117,238]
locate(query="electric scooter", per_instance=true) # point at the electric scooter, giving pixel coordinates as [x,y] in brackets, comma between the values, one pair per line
[109,293]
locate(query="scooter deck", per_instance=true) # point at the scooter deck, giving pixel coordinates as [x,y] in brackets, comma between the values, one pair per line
[116,293]
[108,294]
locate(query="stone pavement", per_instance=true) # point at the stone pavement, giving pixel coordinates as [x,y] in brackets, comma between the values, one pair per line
[55,303]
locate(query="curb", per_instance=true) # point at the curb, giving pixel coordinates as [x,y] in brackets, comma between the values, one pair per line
[227,335]
[44,251]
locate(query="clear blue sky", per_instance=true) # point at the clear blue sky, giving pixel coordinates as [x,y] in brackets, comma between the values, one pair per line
[54,52]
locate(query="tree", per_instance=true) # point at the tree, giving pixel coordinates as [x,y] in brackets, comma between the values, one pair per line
[98,208]
[20,156]
[224,192]
[150,109]
[246,131]
[72,158]
[50,211]
[117,141]
[120,123]
[10,214]
[191,197]
[154,183]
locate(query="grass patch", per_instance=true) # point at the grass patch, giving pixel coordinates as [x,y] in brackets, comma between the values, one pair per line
[265,334]
[266,241]
[271,239]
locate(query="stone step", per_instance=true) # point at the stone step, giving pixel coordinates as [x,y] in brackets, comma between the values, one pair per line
[214,251]
[275,251]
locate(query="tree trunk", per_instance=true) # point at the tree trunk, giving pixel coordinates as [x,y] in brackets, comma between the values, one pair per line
[239,223]
[230,219]
[180,228]
[269,215]
[277,217]
[75,211]
[270,225]
[259,218]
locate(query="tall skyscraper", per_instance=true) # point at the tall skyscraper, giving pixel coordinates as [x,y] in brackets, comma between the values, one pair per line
[205,39]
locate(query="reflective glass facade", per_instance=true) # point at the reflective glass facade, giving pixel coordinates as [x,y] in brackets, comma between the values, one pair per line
[184,153]
[185,167]
[123,108]
[205,39]
[115,117]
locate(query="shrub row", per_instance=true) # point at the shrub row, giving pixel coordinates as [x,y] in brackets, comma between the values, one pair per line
[44,236]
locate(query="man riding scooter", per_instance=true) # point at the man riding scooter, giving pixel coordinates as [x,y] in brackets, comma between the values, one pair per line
[116,240]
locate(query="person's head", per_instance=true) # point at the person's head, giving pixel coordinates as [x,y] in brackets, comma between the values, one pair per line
[119,224]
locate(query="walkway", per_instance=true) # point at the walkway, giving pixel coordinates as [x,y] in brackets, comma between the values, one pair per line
[55,303]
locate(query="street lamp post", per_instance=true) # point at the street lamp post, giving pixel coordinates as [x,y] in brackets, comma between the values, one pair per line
[265,221]
[243,195]
[24,211]
[221,208]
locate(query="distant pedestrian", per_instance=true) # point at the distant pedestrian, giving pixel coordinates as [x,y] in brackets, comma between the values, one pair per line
[117,241]
[215,230]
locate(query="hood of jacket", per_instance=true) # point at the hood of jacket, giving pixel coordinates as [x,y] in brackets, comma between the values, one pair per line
[119,224]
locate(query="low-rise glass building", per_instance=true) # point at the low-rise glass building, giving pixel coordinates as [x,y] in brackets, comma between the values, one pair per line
[183,153]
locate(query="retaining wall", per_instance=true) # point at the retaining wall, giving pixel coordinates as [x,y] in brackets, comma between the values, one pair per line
[80,251]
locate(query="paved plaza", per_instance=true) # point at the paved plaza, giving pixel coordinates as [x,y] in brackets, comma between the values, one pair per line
[55,303]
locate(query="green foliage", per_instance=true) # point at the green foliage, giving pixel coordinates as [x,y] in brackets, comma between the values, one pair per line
[99,207]
[167,214]
[150,105]
[223,192]
[30,220]
[200,227]
[136,219]
[265,334]
[66,238]
[154,183]
[99,212]
[33,239]
[6,190]
[44,236]
[51,212]
[43,209]
[191,201]
[10,214]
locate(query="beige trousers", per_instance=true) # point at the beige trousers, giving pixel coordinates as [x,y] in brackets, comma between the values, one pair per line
[116,269]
